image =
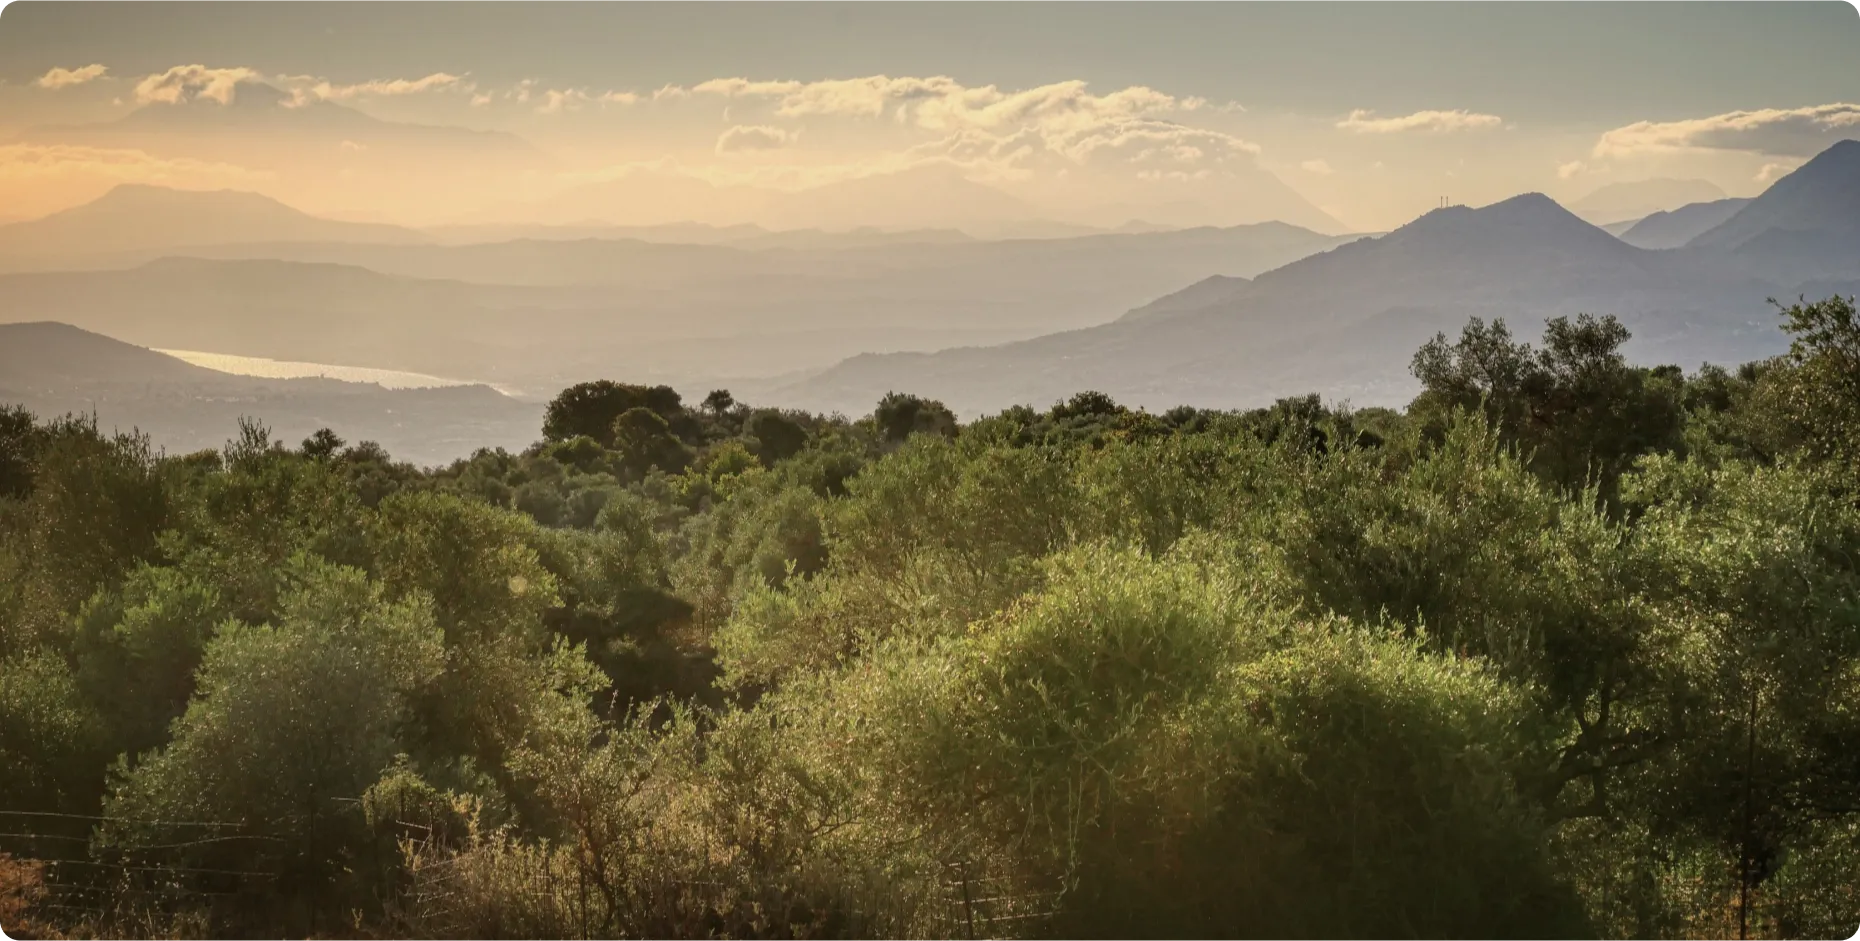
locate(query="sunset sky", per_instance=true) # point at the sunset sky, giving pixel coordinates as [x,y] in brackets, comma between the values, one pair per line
[1364,114]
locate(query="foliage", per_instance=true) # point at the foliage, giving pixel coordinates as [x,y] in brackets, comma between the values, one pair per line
[1568,646]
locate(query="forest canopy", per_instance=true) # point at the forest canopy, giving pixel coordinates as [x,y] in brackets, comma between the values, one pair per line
[1569,646]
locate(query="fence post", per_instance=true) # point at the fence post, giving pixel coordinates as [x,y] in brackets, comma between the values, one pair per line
[968,907]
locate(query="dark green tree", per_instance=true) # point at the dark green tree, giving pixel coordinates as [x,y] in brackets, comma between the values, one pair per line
[1575,407]
[719,401]
[899,416]
[590,408]
[644,440]
[778,437]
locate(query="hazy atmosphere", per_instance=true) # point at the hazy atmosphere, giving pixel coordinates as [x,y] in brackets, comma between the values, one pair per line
[929,469]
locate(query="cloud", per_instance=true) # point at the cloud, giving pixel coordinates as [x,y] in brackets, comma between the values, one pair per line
[188,82]
[480,100]
[353,147]
[745,137]
[941,103]
[1365,122]
[1778,132]
[1319,167]
[556,101]
[1771,172]
[305,89]
[993,132]
[191,82]
[1570,169]
[63,78]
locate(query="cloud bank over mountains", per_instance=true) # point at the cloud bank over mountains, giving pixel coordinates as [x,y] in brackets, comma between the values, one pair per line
[448,145]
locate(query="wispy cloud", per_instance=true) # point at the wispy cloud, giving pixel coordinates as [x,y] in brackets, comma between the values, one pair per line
[1771,172]
[559,100]
[1365,122]
[750,137]
[1780,132]
[184,82]
[1318,167]
[1570,169]
[64,78]
[305,89]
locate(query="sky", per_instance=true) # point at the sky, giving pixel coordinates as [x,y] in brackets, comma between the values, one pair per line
[1353,117]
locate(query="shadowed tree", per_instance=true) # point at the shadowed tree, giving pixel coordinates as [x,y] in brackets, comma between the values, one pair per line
[644,440]
[778,437]
[323,445]
[1575,407]
[590,408]
[899,416]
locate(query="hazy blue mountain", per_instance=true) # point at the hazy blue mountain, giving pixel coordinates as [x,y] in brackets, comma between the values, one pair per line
[548,312]
[134,217]
[1636,199]
[55,369]
[1682,225]
[692,233]
[1822,197]
[1345,322]
[1805,227]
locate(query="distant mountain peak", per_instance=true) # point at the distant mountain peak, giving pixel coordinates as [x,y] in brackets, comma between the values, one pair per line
[1820,196]
[1679,226]
[1635,199]
[141,216]
[153,194]
[1532,212]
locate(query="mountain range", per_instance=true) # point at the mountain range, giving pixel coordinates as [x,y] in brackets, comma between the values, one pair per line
[832,321]
[1344,321]
[1679,226]
[534,312]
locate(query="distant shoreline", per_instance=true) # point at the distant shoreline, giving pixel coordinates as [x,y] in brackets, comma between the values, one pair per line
[261,367]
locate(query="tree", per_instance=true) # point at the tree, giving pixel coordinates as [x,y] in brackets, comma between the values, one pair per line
[18,441]
[778,437]
[323,445]
[292,725]
[1575,407]
[719,401]
[1087,405]
[644,440]
[590,408]
[1818,386]
[899,416]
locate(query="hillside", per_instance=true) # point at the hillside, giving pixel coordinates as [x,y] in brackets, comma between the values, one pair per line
[46,354]
[1806,226]
[54,369]
[1822,195]
[135,217]
[1345,321]
[1682,225]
